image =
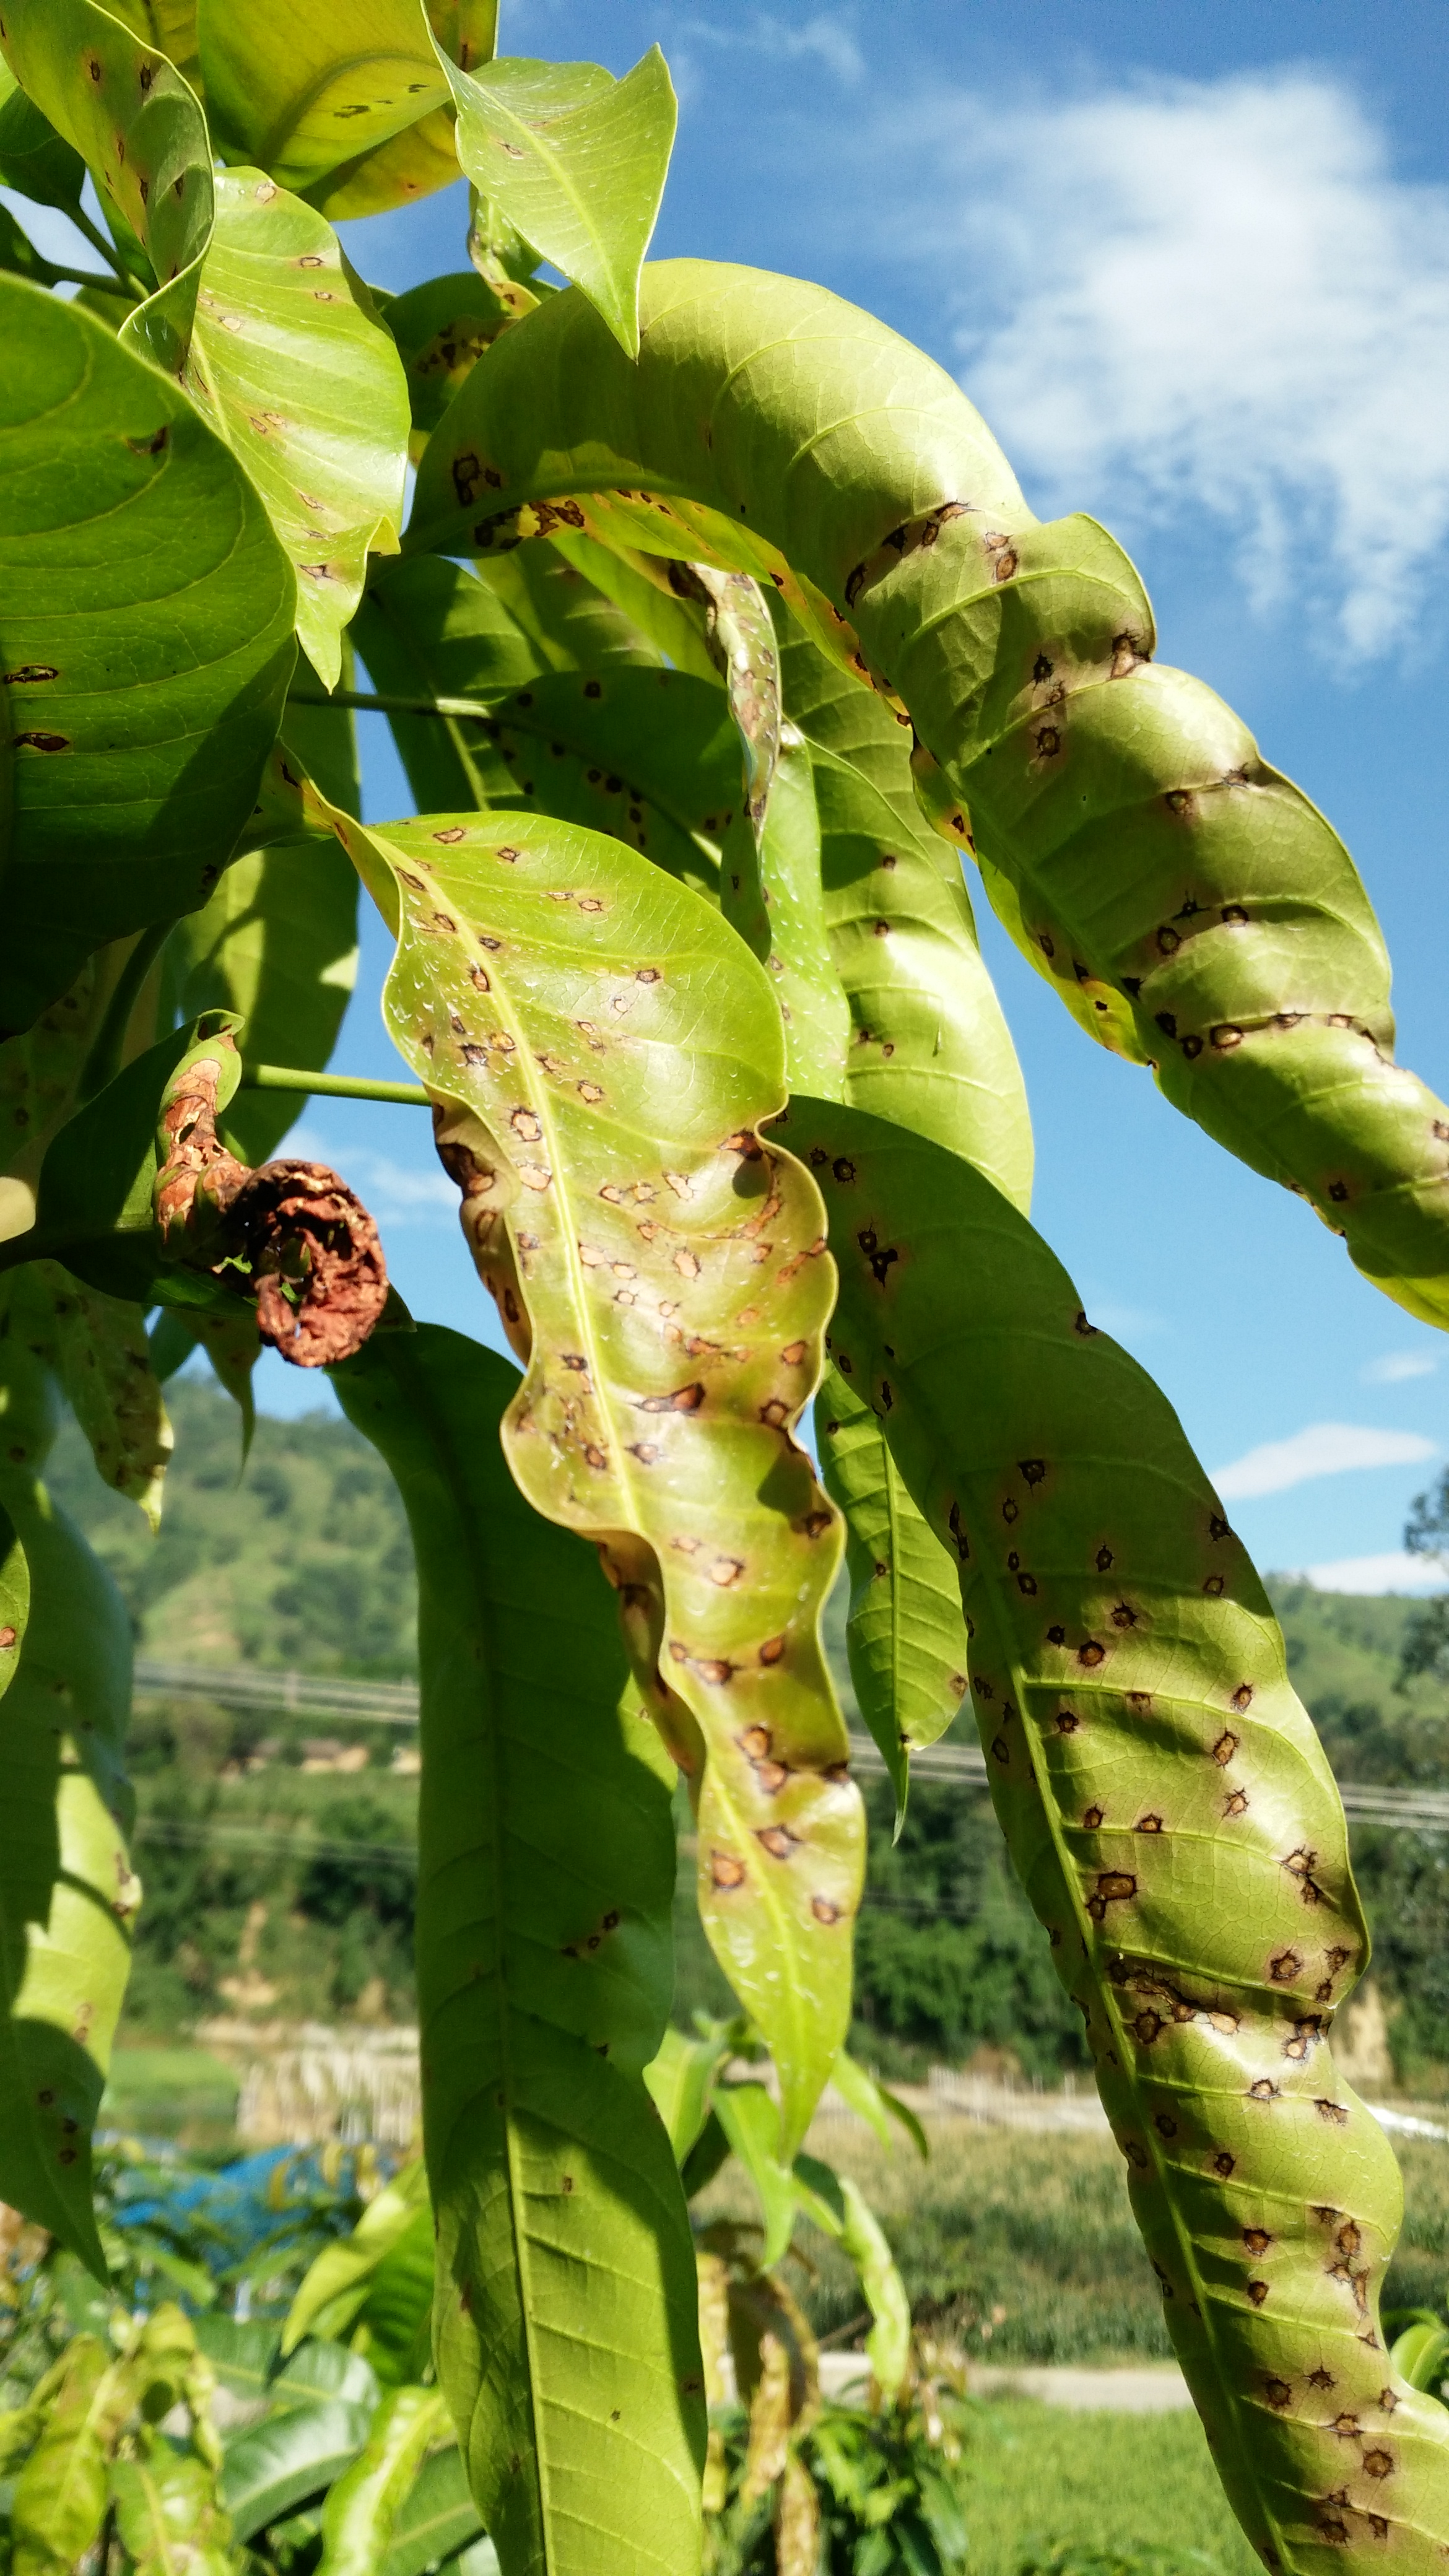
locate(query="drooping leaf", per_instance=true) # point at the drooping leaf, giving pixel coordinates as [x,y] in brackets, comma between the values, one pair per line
[576,162]
[565,2326]
[770,889]
[681,2081]
[655,596]
[874,2102]
[67,1892]
[905,1633]
[601,1047]
[169,25]
[1132,837]
[129,539]
[336,2282]
[105,1367]
[1169,1810]
[437,2517]
[350,108]
[750,2118]
[168,2515]
[361,2509]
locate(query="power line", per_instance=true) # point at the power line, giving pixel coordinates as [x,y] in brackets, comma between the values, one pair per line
[396,1704]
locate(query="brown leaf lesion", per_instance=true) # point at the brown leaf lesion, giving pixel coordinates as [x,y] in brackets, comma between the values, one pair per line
[291,1235]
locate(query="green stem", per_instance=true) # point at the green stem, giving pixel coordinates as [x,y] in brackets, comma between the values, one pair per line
[335,1086]
[368,704]
[92,277]
[104,1061]
[99,241]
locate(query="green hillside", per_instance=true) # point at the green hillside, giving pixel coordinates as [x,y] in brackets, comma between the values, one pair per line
[304,1562]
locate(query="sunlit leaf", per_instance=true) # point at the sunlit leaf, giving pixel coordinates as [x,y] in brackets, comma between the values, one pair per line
[361,2509]
[129,539]
[576,162]
[565,2326]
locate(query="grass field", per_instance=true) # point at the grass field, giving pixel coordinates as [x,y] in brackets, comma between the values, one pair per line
[1038,2227]
[1034,2478]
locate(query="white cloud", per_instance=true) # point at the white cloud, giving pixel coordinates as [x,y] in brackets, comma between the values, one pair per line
[1325,1449]
[394,1193]
[821,38]
[1397,1366]
[1188,297]
[1393,1573]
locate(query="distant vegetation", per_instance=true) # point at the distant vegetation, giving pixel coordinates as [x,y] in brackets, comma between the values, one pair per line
[305,1562]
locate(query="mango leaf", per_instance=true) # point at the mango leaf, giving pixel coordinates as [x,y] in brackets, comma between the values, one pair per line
[1420,2354]
[168,2516]
[441,329]
[361,2509]
[242,2352]
[277,948]
[1168,1807]
[750,2118]
[876,2103]
[437,2518]
[105,1367]
[295,2452]
[837,2204]
[655,596]
[66,1888]
[576,161]
[905,1633]
[169,25]
[681,2082]
[62,2492]
[319,2371]
[394,2322]
[565,2321]
[770,890]
[33,159]
[1022,655]
[337,2280]
[291,365]
[158,558]
[565,1003]
[350,110]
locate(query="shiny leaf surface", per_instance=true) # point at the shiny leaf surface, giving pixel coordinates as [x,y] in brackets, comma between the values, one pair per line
[565,2324]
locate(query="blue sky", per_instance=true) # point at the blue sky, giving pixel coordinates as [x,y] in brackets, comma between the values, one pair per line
[1192,263]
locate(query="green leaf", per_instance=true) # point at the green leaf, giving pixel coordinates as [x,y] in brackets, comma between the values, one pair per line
[1169,1810]
[291,365]
[750,2118]
[565,2325]
[905,1634]
[61,2494]
[645,1229]
[874,2102]
[576,161]
[361,2509]
[241,2351]
[293,2453]
[168,2516]
[394,2322]
[771,891]
[1420,2355]
[129,540]
[442,329]
[105,1367]
[681,2081]
[437,2518]
[649,593]
[336,2282]
[326,2370]
[67,1893]
[32,156]
[1092,782]
[276,947]
[349,108]
[169,25]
